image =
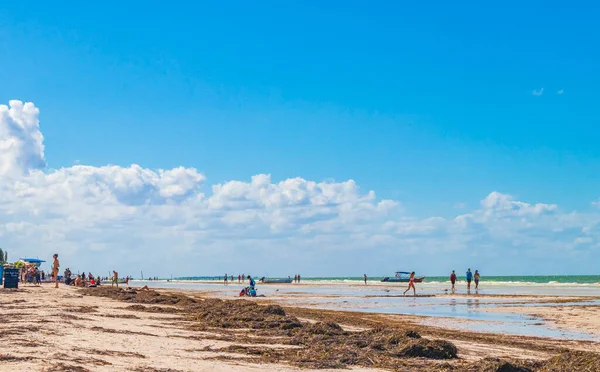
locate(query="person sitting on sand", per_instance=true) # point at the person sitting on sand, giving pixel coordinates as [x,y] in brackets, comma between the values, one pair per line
[411,283]
[476,277]
[453,280]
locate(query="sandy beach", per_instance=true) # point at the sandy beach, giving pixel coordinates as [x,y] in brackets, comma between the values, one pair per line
[101,329]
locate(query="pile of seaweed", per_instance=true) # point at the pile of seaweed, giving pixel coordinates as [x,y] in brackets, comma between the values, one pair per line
[581,361]
[139,296]
[326,344]
[215,313]
[311,345]
[568,360]
[317,345]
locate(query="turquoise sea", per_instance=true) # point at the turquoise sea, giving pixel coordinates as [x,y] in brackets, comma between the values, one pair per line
[523,279]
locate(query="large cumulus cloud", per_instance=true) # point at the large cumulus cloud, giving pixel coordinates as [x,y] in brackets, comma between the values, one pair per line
[170,221]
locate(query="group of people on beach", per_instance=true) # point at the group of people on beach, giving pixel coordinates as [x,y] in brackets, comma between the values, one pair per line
[81,280]
[243,277]
[469,276]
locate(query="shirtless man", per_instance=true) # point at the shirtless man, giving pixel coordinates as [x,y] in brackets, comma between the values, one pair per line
[55,266]
[115,279]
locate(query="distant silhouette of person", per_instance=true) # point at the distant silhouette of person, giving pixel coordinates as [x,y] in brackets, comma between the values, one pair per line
[453,280]
[476,277]
[365,277]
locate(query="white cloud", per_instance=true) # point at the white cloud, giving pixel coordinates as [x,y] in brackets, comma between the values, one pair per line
[560,91]
[169,221]
[21,142]
[538,92]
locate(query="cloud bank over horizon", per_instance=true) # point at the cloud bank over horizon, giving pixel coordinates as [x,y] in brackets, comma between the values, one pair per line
[164,221]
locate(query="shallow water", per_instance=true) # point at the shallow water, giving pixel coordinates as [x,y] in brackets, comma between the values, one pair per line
[459,312]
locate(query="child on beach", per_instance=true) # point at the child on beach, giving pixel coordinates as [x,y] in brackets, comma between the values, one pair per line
[55,266]
[411,283]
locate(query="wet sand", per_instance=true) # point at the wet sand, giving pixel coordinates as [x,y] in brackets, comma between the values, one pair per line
[58,330]
[580,318]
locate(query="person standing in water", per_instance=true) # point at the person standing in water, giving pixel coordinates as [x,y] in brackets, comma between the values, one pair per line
[365,277]
[453,280]
[476,277]
[55,266]
[411,283]
[469,278]
[225,279]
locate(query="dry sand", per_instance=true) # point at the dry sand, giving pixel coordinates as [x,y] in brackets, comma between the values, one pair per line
[44,329]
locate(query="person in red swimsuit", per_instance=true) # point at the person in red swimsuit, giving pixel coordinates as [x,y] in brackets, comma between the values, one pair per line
[411,283]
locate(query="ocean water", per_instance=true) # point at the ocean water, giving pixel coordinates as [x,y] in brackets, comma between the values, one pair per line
[503,280]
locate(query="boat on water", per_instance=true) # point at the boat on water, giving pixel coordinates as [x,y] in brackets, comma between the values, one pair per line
[276,280]
[402,277]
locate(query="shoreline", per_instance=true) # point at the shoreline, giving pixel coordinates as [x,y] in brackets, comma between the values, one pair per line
[101,329]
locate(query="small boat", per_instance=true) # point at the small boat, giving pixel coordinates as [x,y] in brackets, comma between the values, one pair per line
[402,277]
[276,280]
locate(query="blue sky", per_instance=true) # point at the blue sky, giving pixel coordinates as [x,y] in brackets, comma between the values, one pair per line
[431,105]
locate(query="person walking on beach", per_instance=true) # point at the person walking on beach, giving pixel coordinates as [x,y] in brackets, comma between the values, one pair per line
[469,278]
[298,278]
[55,266]
[365,277]
[453,280]
[411,283]
[225,278]
[115,279]
[476,277]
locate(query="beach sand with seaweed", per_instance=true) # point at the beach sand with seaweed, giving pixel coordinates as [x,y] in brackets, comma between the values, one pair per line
[104,329]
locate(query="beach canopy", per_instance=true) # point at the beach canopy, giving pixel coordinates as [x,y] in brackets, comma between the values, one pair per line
[32,260]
